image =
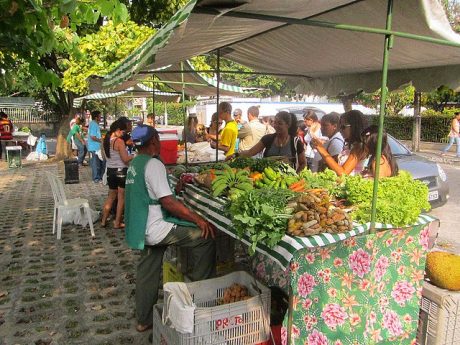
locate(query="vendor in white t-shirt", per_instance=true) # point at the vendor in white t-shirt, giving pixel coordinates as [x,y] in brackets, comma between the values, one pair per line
[155,219]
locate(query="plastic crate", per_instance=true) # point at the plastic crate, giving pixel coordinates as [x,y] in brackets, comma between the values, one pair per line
[439,318]
[239,323]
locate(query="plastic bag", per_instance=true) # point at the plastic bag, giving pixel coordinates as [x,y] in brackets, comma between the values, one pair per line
[179,309]
[79,218]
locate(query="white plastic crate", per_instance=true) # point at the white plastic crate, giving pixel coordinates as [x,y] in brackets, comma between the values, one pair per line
[439,319]
[239,323]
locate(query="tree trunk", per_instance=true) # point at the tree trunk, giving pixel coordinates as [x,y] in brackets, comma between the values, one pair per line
[63,148]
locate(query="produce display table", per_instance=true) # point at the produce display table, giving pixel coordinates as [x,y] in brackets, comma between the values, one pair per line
[344,288]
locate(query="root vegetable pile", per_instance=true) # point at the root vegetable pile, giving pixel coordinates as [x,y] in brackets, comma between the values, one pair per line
[235,293]
[315,214]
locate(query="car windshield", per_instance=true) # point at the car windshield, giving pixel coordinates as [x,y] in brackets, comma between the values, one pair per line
[397,148]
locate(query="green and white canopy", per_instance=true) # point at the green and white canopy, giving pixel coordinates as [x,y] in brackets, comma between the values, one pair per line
[272,36]
[196,83]
[138,90]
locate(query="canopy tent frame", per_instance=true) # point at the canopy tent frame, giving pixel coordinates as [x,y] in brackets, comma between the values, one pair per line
[389,36]
[387,32]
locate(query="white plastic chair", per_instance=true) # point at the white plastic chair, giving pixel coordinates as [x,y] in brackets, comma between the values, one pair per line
[61,203]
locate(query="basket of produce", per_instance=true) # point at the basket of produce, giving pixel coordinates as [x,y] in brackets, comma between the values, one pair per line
[232,309]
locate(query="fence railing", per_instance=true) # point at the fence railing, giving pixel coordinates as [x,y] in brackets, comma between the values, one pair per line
[28,114]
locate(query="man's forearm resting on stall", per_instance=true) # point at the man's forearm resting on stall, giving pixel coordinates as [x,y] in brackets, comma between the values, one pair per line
[178,209]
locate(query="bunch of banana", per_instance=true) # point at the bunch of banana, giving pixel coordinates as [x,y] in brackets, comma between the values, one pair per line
[274,179]
[232,181]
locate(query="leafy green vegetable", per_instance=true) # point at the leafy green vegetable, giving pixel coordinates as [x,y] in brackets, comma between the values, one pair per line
[400,199]
[255,164]
[327,179]
[262,215]
[216,166]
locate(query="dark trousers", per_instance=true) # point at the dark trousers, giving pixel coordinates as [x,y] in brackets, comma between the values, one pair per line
[150,265]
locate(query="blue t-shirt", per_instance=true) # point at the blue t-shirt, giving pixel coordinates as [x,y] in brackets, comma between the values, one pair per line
[94,131]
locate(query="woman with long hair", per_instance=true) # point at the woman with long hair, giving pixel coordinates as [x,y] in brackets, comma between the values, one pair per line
[358,156]
[189,134]
[117,159]
[388,165]
[351,160]
[283,143]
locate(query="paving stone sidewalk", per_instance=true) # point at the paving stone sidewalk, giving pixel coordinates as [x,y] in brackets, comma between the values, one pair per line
[77,290]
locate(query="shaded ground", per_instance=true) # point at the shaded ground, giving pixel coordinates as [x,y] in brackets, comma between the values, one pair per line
[77,290]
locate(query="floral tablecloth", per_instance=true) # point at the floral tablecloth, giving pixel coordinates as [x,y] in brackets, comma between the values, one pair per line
[364,290]
[353,288]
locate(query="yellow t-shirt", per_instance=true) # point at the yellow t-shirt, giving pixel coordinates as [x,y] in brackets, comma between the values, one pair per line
[228,137]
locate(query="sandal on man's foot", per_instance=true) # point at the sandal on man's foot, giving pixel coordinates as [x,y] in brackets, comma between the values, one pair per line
[143,328]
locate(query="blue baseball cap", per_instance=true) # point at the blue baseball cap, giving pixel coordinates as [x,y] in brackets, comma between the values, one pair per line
[142,134]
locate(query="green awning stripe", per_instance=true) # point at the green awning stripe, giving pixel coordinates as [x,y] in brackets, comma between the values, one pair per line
[222,86]
[157,92]
[100,95]
[145,54]
[103,95]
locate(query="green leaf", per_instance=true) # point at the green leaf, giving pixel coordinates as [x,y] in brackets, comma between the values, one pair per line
[121,14]
[106,7]
[68,6]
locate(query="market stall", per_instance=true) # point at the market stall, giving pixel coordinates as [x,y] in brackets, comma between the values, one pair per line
[350,287]
[275,39]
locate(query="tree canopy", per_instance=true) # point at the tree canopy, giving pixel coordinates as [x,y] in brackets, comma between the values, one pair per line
[30,30]
[100,52]
[153,13]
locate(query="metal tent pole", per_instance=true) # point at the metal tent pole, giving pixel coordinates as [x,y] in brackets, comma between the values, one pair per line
[153,98]
[383,97]
[217,104]
[184,112]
